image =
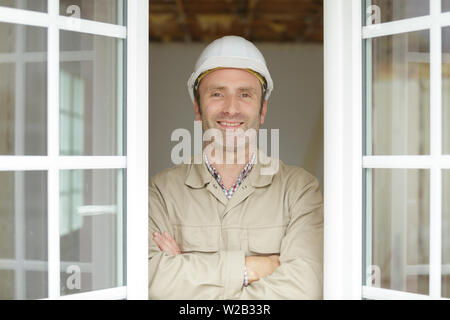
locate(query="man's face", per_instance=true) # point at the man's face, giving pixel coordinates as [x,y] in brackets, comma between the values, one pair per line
[230,99]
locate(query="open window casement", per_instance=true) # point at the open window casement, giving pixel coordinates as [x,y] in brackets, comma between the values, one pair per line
[387,155]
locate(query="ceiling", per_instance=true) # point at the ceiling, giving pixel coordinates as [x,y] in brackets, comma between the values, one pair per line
[256,20]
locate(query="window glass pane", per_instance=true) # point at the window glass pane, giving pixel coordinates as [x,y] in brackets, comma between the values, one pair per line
[397,229]
[91,230]
[23,234]
[398,94]
[446,233]
[445,5]
[6,284]
[23,90]
[35,5]
[446,90]
[391,10]
[109,11]
[91,95]
[38,284]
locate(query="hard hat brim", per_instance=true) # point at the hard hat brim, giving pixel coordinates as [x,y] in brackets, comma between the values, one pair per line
[231,62]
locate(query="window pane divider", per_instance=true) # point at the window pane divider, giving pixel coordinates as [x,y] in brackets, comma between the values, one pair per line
[117,293]
[65,56]
[42,19]
[396,27]
[33,163]
[436,149]
[387,294]
[53,150]
[27,17]
[91,27]
[444,19]
[424,269]
[406,162]
[407,25]
[40,265]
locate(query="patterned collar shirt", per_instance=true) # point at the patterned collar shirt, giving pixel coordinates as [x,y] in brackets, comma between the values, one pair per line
[229,192]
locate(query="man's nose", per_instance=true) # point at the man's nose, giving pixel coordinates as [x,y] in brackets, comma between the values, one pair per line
[231,105]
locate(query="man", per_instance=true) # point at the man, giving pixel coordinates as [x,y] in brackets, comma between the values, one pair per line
[229,230]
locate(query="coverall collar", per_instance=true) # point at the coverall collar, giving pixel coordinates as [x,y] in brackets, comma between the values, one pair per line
[198,175]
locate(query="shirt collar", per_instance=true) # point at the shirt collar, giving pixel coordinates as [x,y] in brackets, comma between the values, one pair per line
[244,173]
[198,176]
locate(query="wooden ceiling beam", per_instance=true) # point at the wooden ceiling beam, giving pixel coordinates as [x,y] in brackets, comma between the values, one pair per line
[182,21]
[161,7]
[258,20]
[251,10]
[216,7]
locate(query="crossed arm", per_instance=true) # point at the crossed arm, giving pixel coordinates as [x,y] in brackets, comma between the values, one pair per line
[257,266]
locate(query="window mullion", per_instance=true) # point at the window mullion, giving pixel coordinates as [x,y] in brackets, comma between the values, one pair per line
[53,150]
[137,156]
[19,147]
[436,149]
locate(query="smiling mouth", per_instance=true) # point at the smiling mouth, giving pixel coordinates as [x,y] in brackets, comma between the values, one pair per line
[229,124]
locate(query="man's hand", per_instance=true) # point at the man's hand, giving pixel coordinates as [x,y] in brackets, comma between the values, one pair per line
[260,266]
[166,243]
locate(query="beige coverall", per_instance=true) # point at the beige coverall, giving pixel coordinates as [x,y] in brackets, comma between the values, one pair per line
[280,214]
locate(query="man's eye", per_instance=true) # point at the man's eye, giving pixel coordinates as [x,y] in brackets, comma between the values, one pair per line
[246,95]
[216,94]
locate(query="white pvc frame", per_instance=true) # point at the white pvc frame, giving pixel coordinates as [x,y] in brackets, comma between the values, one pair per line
[135,162]
[344,163]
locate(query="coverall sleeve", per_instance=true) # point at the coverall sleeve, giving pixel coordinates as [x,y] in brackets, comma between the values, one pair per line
[198,275]
[300,274]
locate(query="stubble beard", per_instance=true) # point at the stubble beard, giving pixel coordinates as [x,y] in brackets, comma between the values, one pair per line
[233,144]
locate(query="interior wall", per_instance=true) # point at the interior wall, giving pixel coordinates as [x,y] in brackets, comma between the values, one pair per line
[295,106]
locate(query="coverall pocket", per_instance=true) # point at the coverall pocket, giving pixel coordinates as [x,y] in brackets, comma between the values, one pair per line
[198,238]
[265,240]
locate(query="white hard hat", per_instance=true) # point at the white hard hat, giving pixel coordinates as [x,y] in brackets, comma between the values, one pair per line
[231,52]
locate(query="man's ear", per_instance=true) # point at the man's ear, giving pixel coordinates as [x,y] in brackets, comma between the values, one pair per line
[263,112]
[197,111]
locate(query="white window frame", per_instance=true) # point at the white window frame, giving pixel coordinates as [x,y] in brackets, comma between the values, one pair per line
[344,161]
[135,162]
